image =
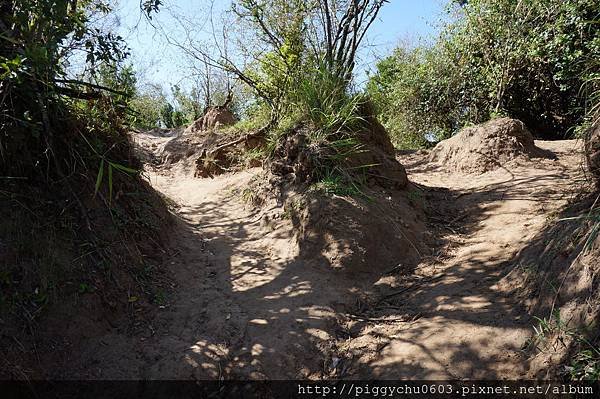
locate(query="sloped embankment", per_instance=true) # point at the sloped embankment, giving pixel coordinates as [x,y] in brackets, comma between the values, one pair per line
[556,277]
[74,265]
[487,147]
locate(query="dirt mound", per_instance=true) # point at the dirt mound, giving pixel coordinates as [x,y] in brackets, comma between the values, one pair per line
[213,118]
[188,145]
[488,146]
[149,146]
[379,152]
[361,234]
[298,158]
[187,149]
[200,136]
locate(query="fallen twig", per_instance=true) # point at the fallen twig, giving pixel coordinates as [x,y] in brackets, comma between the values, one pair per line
[394,269]
[411,287]
[404,318]
[459,217]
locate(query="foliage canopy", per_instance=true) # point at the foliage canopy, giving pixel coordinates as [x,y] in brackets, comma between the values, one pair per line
[521,58]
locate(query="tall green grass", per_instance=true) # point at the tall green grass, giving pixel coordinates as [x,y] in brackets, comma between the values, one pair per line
[325,102]
[324,98]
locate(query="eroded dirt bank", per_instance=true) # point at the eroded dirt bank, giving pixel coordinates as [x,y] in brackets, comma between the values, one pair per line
[247,304]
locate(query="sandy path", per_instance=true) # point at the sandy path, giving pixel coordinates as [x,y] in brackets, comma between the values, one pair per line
[469,328]
[245,306]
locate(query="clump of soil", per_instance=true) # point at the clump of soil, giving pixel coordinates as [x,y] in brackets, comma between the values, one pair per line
[299,158]
[213,118]
[192,149]
[486,147]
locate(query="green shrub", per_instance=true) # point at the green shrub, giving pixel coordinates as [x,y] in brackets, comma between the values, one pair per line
[322,99]
[524,59]
[411,92]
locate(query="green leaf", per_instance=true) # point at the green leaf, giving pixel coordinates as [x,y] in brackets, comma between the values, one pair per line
[123,168]
[110,182]
[99,178]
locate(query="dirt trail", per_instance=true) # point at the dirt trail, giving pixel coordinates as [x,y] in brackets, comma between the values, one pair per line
[470,328]
[245,306]
[255,305]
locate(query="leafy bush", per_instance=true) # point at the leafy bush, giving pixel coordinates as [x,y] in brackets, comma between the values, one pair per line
[36,95]
[411,91]
[152,109]
[524,59]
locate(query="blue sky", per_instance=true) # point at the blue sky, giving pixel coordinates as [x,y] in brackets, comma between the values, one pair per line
[401,20]
[160,63]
